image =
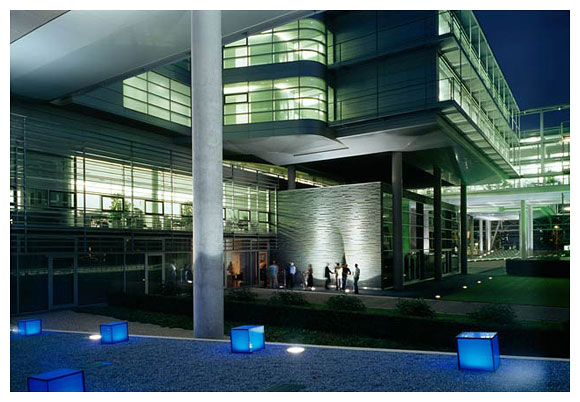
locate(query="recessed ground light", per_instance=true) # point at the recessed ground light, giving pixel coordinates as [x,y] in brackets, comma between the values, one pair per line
[464,286]
[95,337]
[490,278]
[295,350]
[312,288]
[189,281]
[478,281]
[347,291]
[437,296]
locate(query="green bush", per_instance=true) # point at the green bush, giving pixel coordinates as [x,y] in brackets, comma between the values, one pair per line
[494,313]
[288,299]
[415,307]
[241,294]
[346,303]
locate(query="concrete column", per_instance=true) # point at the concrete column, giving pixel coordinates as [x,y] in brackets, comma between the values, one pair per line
[480,236]
[488,235]
[472,237]
[397,189]
[206,116]
[523,230]
[291,177]
[463,229]
[530,238]
[437,222]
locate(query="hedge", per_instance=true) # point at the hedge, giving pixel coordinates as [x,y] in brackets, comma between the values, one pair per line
[431,333]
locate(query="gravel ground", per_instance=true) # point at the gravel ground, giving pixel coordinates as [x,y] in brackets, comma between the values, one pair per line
[162,364]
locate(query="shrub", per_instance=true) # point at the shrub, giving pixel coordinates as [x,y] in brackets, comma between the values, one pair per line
[494,313]
[345,303]
[241,294]
[288,299]
[415,307]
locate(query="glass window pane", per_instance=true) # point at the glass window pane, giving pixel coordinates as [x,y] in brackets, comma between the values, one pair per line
[181,98]
[181,88]
[136,82]
[154,207]
[158,90]
[236,98]
[158,112]
[159,102]
[260,38]
[133,104]
[291,25]
[135,93]
[157,79]
[238,87]
[179,108]
[180,119]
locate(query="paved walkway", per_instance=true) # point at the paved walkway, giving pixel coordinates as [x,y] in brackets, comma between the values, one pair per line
[523,312]
[160,364]
[66,320]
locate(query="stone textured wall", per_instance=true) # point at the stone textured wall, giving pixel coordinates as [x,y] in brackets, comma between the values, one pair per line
[331,224]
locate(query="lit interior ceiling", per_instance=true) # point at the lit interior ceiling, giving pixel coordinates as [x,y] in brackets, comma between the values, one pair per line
[79,50]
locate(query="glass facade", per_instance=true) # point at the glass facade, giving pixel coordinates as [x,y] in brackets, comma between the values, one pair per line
[282,99]
[156,95]
[418,238]
[303,40]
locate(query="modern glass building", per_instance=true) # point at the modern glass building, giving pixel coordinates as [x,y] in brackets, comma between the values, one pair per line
[348,136]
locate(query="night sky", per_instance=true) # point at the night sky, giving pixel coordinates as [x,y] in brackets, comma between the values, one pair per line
[533,51]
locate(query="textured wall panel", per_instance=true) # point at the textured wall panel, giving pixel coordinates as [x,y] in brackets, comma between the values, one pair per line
[332,224]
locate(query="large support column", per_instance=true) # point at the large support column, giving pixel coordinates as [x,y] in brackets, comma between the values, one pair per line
[472,237]
[437,222]
[523,230]
[397,189]
[481,236]
[206,116]
[488,235]
[291,177]
[530,239]
[463,229]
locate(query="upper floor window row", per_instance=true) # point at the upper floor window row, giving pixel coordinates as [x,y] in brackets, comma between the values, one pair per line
[159,96]
[303,40]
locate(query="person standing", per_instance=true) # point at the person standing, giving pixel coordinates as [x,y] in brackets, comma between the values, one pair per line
[356,277]
[310,277]
[327,273]
[345,274]
[338,276]
[273,275]
[291,275]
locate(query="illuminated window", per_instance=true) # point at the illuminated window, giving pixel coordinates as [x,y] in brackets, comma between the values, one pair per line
[158,96]
[298,40]
[290,98]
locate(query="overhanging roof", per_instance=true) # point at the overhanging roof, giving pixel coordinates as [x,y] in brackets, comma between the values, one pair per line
[79,50]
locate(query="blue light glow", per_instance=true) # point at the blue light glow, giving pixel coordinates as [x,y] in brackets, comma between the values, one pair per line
[478,351]
[247,338]
[114,332]
[61,380]
[30,327]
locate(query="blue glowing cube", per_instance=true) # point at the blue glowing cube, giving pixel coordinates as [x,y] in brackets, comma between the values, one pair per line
[478,351]
[61,380]
[247,338]
[114,332]
[30,327]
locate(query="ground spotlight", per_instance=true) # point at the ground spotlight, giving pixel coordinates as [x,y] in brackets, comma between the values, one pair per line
[295,350]
[490,278]
[437,296]
[464,286]
[95,337]
[478,281]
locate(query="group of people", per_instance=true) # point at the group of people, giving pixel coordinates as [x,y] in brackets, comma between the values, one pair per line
[341,274]
[289,276]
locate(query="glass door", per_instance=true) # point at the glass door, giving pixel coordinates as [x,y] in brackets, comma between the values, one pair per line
[154,273]
[62,281]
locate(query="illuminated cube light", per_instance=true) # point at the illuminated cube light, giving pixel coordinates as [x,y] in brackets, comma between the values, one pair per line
[30,327]
[477,351]
[247,338]
[61,380]
[114,332]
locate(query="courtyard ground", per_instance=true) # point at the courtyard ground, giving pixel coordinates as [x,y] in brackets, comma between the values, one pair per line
[163,364]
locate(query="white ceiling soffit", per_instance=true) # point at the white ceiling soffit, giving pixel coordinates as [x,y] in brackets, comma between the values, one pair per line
[82,49]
